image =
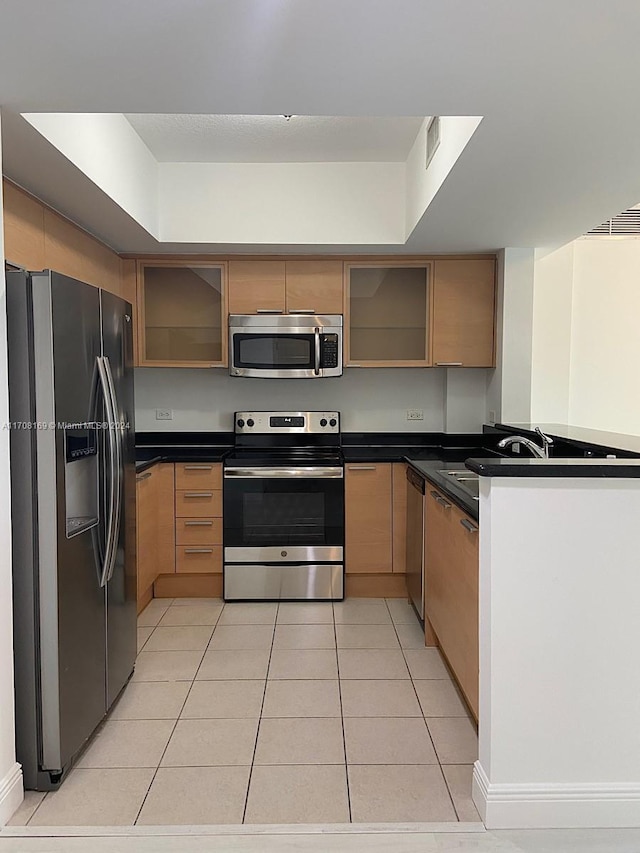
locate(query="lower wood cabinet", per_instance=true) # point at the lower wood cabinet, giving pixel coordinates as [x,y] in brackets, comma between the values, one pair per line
[155,533]
[198,518]
[451,587]
[375,520]
[368,517]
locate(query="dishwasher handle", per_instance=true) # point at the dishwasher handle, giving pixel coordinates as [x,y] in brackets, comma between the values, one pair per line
[416,480]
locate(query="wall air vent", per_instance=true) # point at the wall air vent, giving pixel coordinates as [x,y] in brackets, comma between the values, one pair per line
[433,138]
[626,224]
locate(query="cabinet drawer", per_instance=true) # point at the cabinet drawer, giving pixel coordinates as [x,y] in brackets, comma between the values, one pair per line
[198,475]
[198,531]
[199,503]
[195,559]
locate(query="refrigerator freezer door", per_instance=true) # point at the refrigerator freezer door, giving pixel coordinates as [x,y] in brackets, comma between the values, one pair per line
[117,348]
[66,335]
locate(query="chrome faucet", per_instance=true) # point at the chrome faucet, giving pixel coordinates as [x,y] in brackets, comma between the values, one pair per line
[536,450]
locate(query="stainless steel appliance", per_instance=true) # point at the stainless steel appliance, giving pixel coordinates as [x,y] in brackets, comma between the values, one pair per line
[283,493]
[73,513]
[285,347]
[415,540]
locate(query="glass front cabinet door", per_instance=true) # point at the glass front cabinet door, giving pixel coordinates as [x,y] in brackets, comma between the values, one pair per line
[387,314]
[182,314]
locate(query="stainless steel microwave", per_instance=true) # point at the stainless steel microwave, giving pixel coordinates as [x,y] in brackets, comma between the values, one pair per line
[285,346]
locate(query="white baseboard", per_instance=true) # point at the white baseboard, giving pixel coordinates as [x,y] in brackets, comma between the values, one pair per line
[555,805]
[11,793]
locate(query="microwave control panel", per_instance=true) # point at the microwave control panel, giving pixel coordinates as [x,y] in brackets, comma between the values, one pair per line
[329,351]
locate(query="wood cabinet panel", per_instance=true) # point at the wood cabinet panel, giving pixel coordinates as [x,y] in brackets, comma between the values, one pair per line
[463,317]
[198,475]
[23,228]
[199,503]
[182,314]
[37,237]
[198,531]
[146,531]
[451,589]
[314,286]
[255,286]
[200,559]
[75,253]
[368,518]
[165,475]
[386,313]
[399,476]
[128,292]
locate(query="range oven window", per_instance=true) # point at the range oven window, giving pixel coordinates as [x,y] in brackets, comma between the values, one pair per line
[291,518]
[274,351]
[288,511]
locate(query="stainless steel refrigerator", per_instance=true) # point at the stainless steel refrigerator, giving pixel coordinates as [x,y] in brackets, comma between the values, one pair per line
[73,513]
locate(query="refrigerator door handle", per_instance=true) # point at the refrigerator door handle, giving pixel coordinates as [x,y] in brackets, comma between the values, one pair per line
[113,476]
[115,427]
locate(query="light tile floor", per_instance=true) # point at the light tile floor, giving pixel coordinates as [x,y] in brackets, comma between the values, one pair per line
[265,713]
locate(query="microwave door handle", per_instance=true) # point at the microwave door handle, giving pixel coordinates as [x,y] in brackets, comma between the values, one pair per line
[316,369]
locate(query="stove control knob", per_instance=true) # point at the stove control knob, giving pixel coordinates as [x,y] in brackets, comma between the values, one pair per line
[250,422]
[333,422]
[323,421]
[240,423]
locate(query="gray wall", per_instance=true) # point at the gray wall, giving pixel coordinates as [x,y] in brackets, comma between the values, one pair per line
[369,399]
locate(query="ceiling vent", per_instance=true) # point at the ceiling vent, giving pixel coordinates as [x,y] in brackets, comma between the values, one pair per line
[433,138]
[626,224]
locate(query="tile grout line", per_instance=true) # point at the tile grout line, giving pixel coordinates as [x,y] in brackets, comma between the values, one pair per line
[344,739]
[426,725]
[153,628]
[193,681]
[264,694]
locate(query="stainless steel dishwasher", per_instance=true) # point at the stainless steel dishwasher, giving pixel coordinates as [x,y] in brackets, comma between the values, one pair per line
[415,540]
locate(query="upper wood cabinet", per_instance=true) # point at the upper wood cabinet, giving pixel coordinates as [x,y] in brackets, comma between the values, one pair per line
[182,314]
[281,287]
[386,314]
[463,313]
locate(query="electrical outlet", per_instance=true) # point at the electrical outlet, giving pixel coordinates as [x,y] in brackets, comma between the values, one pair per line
[492,417]
[164,414]
[415,415]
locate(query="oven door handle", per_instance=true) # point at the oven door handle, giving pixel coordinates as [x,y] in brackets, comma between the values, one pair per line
[316,369]
[328,473]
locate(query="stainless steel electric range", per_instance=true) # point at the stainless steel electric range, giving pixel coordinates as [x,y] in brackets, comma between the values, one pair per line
[283,493]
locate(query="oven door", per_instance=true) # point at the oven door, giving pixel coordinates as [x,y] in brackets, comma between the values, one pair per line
[283,514]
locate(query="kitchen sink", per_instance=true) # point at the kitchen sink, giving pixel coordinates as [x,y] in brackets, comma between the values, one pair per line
[465,479]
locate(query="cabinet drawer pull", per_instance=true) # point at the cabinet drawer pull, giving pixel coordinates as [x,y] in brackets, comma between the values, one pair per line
[468,525]
[269,311]
[198,523]
[363,468]
[141,477]
[198,494]
[448,364]
[302,311]
[353,365]
[440,500]
[198,550]
[198,467]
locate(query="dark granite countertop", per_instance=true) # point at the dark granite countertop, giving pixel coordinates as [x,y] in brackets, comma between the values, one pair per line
[620,468]
[154,447]
[431,470]
[143,464]
[584,440]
